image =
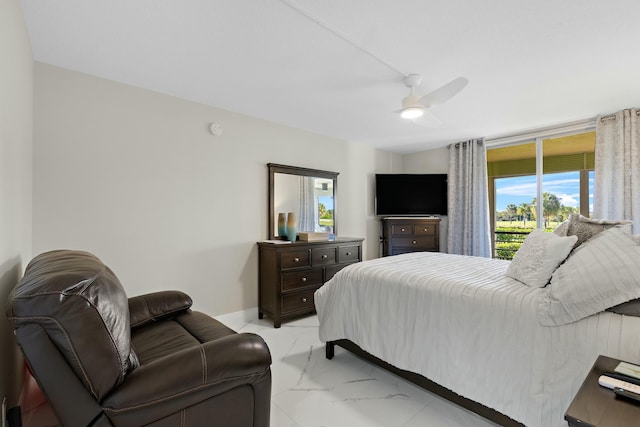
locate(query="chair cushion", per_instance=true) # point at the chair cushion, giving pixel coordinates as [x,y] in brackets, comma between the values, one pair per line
[188,329]
[81,304]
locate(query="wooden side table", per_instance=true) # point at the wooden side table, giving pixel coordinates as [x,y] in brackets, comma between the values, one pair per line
[597,406]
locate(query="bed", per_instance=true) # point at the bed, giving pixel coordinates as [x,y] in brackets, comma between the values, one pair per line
[512,352]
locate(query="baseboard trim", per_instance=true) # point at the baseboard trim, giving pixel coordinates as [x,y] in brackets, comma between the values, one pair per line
[242,316]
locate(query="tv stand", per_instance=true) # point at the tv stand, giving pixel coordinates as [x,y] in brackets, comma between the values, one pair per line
[402,235]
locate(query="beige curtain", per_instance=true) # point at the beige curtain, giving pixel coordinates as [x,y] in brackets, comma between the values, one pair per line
[468,208]
[617,167]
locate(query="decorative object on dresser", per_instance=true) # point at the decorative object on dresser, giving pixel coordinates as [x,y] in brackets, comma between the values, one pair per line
[410,234]
[291,227]
[290,274]
[307,236]
[282,224]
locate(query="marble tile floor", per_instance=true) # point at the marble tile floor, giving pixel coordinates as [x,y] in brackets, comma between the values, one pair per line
[310,391]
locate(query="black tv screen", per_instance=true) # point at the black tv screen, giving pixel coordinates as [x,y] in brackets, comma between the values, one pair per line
[411,194]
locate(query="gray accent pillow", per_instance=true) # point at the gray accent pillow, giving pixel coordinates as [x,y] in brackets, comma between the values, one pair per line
[600,274]
[586,228]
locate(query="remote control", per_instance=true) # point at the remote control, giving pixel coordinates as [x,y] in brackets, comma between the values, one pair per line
[622,377]
[626,393]
[613,383]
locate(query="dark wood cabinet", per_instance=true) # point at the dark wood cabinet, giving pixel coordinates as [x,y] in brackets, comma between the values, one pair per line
[410,234]
[290,273]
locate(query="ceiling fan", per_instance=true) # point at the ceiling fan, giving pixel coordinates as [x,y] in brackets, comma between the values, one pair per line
[414,106]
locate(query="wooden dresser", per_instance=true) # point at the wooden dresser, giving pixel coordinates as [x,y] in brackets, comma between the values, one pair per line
[290,273]
[410,234]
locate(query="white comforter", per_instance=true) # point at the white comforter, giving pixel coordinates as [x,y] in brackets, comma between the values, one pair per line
[462,323]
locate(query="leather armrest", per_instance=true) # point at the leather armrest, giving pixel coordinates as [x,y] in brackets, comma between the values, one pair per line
[149,307]
[188,376]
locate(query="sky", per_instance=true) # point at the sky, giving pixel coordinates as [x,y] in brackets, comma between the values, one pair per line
[327,201]
[518,190]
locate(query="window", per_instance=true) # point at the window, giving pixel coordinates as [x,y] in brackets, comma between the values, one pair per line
[561,176]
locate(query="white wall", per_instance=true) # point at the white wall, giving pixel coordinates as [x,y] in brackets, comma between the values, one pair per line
[135,177]
[16,121]
[431,161]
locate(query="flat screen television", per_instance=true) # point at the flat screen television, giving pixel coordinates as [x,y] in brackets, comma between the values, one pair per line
[411,194]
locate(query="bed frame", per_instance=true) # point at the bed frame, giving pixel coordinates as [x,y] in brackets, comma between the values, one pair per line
[427,384]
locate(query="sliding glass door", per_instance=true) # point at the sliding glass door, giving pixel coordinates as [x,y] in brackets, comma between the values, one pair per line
[556,171]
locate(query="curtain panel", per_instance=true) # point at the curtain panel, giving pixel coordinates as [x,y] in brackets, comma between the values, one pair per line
[469,231]
[617,167]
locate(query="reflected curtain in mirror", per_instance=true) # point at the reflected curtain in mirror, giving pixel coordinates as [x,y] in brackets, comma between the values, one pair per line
[307,202]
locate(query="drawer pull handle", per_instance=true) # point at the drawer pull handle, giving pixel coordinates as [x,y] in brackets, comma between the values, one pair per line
[304,279]
[348,253]
[414,242]
[402,229]
[296,259]
[304,300]
[426,229]
[324,256]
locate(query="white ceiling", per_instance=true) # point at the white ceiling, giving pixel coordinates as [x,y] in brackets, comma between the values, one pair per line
[529,64]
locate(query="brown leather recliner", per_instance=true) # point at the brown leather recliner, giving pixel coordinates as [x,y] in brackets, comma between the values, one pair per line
[103,359]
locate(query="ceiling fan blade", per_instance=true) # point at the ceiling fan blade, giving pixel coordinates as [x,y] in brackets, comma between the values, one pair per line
[444,93]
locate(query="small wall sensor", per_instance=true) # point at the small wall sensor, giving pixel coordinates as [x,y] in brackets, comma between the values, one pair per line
[216,129]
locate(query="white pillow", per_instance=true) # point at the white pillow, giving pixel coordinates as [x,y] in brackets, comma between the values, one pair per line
[538,257]
[601,273]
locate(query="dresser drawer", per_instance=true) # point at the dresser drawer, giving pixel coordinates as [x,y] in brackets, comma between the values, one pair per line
[323,256]
[348,254]
[292,259]
[300,301]
[425,229]
[423,242]
[298,279]
[402,229]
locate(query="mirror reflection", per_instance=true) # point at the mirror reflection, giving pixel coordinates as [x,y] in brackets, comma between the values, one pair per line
[310,198]
[309,193]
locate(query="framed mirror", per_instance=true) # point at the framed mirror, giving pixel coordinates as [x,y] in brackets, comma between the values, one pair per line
[309,193]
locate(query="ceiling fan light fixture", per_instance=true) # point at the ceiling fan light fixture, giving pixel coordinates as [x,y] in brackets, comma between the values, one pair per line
[412,112]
